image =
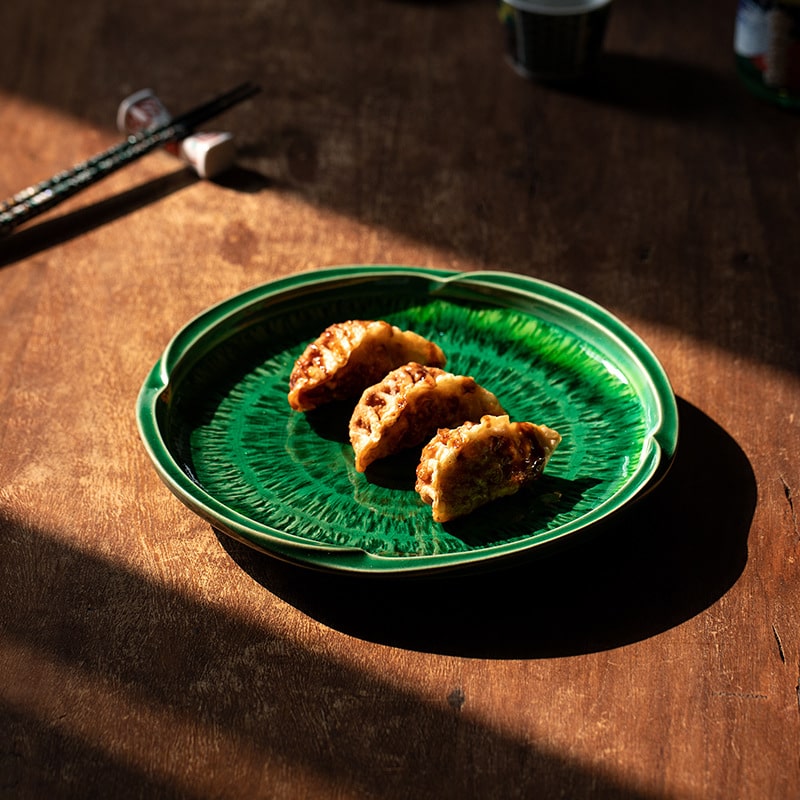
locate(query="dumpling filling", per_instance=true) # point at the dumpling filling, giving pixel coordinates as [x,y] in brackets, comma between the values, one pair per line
[409,405]
[463,468]
[347,357]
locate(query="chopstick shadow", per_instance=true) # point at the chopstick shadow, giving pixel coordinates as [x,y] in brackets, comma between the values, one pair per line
[668,557]
[51,232]
[43,235]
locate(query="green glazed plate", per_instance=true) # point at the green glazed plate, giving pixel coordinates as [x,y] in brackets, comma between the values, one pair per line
[214,417]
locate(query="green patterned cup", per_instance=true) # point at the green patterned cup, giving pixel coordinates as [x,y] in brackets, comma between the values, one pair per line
[554,40]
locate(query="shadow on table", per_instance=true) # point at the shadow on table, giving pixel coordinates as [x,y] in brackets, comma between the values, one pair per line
[444,145]
[459,153]
[55,230]
[664,560]
[660,87]
[42,235]
[118,685]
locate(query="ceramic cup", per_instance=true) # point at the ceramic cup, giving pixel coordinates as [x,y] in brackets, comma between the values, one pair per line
[554,40]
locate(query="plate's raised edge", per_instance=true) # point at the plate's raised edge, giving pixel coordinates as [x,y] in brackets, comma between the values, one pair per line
[661,441]
[187,336]
[299,550]
[156,389]
[600,319]
[202,503]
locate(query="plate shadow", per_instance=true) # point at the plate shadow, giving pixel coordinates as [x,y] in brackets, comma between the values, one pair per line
[649,568]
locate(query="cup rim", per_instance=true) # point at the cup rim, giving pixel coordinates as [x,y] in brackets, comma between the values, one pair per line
[557,7]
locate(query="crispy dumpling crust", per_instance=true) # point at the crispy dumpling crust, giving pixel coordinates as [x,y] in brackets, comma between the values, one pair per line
[347,357]
[408,406]
[466,467]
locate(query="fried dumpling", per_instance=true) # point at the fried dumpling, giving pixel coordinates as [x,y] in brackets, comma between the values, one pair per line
[409,405]
[347,357]
[466,467]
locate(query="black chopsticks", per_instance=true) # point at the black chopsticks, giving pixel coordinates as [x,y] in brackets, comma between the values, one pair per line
[40,197]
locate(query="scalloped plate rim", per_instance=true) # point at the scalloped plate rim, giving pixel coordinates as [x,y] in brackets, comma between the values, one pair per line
[655,462]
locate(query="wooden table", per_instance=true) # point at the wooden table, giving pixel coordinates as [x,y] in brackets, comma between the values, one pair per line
[143,655]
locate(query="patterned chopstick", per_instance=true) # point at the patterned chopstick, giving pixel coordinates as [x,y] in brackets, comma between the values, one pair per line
[37,199]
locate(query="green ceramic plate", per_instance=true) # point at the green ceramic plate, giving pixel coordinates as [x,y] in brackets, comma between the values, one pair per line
[214,417]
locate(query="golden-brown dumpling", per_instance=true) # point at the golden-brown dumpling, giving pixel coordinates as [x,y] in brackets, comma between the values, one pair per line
[347,357]
[408,406]
[466,467]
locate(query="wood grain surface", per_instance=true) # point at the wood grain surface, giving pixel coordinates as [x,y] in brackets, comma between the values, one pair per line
[142,655]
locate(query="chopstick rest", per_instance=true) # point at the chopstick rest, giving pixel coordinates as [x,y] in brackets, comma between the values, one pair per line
[208,153]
